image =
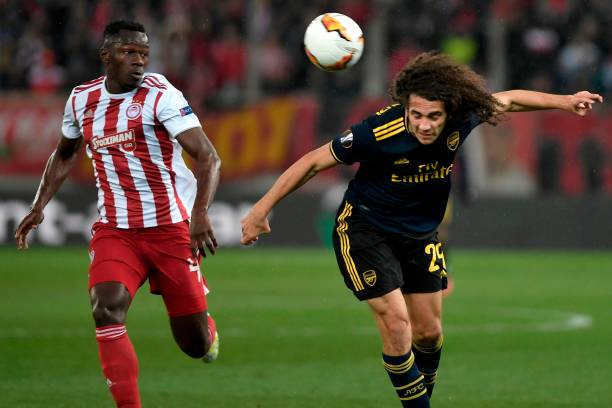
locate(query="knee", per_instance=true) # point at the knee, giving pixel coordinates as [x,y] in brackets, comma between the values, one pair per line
[110,302]
[105,314]
[397,327]
[397,336]
[428,335]
[107,310]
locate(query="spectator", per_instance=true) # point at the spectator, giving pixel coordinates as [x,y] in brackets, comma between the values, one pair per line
[578,59]
[46,77]
[276,66]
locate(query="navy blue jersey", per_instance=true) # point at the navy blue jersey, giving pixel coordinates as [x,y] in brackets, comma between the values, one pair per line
[401,186]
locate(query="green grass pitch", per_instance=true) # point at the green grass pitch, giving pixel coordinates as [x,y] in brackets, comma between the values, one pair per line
[522,329]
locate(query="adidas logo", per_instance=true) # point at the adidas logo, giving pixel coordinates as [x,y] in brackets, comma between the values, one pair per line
[402,160]
[88,114]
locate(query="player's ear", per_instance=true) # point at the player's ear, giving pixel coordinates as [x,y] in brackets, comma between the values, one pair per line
[104,55]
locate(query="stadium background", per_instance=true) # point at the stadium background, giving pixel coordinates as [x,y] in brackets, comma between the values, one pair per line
[531,215]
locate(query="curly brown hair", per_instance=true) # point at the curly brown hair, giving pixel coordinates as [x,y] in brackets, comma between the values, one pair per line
[437,77]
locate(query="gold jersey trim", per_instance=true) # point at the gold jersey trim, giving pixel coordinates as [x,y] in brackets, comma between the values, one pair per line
[345,247]
[331,149]
[389,129]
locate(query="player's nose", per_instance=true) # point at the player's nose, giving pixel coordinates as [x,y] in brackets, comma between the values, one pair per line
[138,60]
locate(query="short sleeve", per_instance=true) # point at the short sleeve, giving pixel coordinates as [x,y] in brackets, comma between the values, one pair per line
[174,112]
[353,145]
[70,126]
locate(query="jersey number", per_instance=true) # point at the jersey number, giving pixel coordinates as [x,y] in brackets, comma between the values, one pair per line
[435,250]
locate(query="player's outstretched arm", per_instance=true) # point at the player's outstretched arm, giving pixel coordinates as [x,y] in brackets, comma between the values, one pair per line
[206,169]
[256,221]
[520,100]
[58,167]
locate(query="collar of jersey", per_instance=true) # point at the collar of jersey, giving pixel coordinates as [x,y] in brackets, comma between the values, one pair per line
[118,95]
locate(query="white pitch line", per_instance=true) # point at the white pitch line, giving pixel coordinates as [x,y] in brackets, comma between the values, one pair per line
[524,320]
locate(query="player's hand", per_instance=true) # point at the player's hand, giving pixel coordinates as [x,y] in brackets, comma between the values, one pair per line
[254,224]
[31,221]
[582,102]
[202,234]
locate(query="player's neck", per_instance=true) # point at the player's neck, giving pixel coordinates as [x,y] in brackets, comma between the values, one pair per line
[115,87]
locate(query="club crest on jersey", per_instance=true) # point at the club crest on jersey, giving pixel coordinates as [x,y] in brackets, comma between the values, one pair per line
[369,277]
[125,141]
[452,142]
[347,140]
[133,111]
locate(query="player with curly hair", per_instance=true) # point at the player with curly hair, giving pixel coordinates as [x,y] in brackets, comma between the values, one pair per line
[385,235]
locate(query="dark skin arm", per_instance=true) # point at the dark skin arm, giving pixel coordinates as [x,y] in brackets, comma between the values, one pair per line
[58,167]
[206,171]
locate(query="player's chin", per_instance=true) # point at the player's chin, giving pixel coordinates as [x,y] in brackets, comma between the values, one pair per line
[132,81]
[427,140]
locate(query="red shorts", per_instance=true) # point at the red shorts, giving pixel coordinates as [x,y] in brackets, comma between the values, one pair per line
[160,254]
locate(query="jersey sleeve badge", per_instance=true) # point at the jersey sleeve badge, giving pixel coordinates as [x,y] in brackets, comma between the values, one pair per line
[186,111]
[347,140]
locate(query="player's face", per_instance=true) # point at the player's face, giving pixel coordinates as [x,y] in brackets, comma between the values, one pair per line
[426,119]
[125,60]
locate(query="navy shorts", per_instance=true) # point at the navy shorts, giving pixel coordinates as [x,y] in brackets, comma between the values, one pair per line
[374,263]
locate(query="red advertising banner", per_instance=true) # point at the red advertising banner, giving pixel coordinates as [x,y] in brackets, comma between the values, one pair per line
[263,137]
[572,134]
[29,131]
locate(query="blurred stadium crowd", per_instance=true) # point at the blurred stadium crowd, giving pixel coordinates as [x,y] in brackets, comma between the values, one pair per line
[227,55]
[207,48]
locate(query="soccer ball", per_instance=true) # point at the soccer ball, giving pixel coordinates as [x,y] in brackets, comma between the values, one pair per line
[333,42]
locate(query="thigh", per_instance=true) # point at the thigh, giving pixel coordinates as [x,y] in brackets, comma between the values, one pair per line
[423,265]
[115,258]
[425,311]
[175,271]
[368,265]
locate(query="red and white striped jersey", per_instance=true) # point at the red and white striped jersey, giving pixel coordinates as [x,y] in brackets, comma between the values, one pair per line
[141,176]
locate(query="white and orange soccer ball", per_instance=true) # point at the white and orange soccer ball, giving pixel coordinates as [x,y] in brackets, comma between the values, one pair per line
[333,42]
